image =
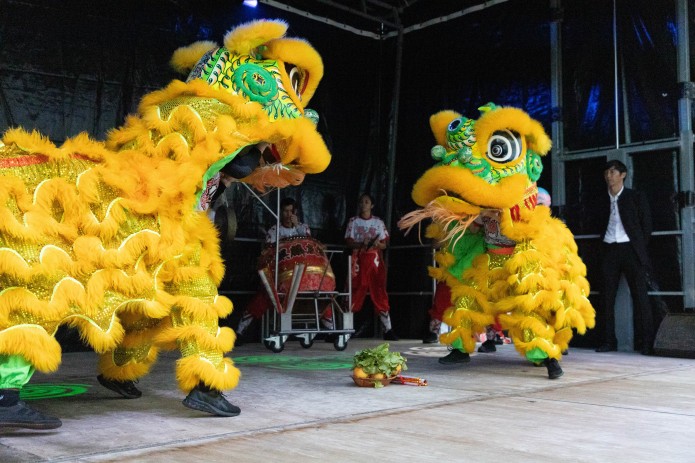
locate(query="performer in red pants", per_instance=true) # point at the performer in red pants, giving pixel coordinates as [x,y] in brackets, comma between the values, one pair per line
[366,235]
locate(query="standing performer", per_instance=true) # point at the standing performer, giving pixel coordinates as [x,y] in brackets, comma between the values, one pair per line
[366,235]
[627,226]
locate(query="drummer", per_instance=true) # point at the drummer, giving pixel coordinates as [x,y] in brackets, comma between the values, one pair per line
[290,226]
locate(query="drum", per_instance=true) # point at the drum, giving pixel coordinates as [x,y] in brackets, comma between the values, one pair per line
[318,274]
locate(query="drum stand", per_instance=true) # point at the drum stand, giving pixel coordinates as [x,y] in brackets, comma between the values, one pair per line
[282,323]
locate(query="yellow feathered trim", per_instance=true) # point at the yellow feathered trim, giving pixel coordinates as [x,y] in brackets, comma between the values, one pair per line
[244,38]
[437,273]
[82,145]
[35,143]
[551,350]
[435,231]
[439,123]
[185,58]
[34,344]
[194,307]
[191,370]
[464,334]
[21,300]
[445,259]
[223,306]
[477,320]
[223,341]
[562,338]
[99,339]
[131,370]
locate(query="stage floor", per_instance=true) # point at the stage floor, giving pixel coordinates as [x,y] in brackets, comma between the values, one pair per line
[301,405]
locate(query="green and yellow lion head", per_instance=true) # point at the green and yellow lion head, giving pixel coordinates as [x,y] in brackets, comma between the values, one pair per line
[489,163]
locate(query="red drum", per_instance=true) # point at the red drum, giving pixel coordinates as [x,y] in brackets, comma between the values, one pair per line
[318,274]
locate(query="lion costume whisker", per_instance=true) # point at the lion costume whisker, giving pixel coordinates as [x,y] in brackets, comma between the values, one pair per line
[454,224]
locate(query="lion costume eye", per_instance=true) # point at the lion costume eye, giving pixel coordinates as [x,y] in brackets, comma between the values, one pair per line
[454,125]
[504,146]
[295,76]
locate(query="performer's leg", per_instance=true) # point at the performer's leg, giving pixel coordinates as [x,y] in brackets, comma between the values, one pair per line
[377,292]
[636,280]
[15,372]
[610,271]
[467,316]
[134,356]
[489,344]
[327,317]
[203,371]
[255,309]
[359,293]
[440,302]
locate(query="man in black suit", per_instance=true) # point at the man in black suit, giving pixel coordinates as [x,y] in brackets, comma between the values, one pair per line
[626,226]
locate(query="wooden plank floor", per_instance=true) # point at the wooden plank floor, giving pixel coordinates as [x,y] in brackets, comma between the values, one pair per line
[301,406]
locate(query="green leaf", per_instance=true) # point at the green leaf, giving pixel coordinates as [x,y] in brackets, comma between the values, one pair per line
[379,360]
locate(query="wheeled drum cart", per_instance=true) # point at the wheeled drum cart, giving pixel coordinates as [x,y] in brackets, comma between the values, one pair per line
[302,295]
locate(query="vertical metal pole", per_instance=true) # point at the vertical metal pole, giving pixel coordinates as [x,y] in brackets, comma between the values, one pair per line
[615,74]
[277,236]
[687,170]
[557,160]
[393,129]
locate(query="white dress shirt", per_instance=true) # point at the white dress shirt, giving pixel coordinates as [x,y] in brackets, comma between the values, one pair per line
[615,233]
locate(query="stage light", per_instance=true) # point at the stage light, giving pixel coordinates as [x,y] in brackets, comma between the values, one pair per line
[251,3]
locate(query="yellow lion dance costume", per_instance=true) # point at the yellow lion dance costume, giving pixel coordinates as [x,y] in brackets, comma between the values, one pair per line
[106,236]
[506,260]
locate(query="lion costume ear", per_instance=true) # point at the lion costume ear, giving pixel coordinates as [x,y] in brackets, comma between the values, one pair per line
[537,139]
[439,123]
[185,58]
[242,40]
[300,53]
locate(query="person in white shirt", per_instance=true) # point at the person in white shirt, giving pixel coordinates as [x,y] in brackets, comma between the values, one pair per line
[367,236]
[626,230]
[290,226]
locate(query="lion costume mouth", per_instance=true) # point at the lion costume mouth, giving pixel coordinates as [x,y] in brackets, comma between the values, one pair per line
[260,166]
[461,192]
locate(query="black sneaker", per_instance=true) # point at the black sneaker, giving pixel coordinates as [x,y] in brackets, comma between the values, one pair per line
[125,388]
[430,338]
[487,346]
[606,348]
[554,369]
[455,356]
[390,336]
[22,416]
[212,402]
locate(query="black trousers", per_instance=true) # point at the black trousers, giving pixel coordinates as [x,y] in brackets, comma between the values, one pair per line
[621,259]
